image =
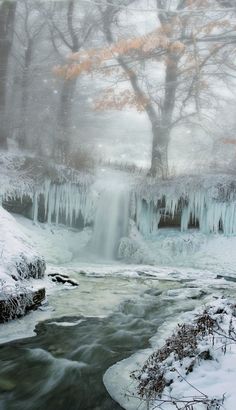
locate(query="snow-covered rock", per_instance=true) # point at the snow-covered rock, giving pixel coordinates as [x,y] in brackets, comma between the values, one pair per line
[19,262]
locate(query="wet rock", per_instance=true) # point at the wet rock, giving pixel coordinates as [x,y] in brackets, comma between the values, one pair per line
[227,278]
[64,279]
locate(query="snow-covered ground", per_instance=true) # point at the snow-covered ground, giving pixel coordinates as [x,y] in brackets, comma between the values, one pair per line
[16,252]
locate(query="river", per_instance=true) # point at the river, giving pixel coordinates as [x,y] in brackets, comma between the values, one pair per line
[88,329]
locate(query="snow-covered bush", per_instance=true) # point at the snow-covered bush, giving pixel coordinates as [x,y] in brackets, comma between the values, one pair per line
[172,376]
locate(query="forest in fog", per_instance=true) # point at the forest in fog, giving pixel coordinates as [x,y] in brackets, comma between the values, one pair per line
[150,82]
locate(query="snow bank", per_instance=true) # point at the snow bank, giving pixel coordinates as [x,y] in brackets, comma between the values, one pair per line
[18,258]
[171,247]
[199,371]
[57,243]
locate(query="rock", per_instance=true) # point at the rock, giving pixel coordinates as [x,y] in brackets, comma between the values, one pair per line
[31,269]
[64,279]
[58,274]
[227,278]
[18,305]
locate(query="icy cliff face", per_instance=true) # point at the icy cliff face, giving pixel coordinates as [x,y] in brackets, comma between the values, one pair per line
[209,204]
[196,209]
[64,203]
[56,203]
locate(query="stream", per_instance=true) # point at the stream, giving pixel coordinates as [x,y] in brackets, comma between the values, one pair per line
[88,329]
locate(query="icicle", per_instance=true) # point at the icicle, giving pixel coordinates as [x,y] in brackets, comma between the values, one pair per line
[35,207]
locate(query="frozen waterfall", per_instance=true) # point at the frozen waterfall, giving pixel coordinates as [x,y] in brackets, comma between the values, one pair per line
[111,221]
[113,198]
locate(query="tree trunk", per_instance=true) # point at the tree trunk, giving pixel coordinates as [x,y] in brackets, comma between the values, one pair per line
[64,120]
[161,123]
[67,94]
[7,16]
[161,131]
[22,138]
[159,157]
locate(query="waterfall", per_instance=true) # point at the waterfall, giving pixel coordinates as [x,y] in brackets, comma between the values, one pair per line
[111,221]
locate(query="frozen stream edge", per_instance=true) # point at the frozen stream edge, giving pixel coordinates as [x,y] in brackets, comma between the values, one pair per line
[214,377]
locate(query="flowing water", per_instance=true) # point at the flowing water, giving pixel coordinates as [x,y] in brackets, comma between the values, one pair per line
[63,365]
[111,221]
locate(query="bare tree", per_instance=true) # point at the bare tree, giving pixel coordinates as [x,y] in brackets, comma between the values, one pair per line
[71,28]
[191,45]
[7,17]
[27,32]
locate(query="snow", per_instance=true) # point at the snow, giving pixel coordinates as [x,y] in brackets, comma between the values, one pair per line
[213,378]
[59,244]
[216,377]
[171,247]
[14,247]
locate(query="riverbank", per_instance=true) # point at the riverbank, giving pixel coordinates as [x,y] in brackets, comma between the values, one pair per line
[21,271]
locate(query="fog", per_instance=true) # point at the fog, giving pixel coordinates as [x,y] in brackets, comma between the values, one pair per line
[171,109]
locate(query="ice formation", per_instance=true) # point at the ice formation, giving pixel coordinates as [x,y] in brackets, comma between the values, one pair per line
[61,203]
[199,208]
